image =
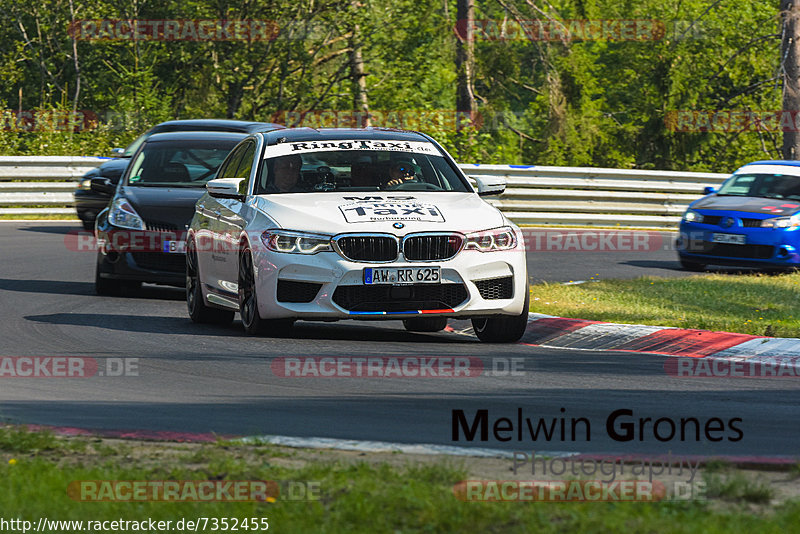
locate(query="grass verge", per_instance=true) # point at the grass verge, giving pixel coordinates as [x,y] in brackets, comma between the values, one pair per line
[758,304]
[397,495]
[37,217]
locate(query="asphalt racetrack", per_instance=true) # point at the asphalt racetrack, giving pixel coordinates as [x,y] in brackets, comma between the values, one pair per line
[197,378]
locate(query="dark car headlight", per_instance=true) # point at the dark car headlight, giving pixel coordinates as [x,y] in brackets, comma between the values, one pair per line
[123,215]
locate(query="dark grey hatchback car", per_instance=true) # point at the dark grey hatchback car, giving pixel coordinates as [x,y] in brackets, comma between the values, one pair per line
[91,200]
[141,235]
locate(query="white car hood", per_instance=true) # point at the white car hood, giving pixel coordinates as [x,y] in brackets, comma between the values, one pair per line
[335,213]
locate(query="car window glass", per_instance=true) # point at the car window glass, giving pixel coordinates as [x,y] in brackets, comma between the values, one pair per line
[245,166]
[232,164]
[361,170]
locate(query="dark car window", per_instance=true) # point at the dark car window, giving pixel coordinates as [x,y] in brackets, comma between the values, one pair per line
[762,185]
[178,163]
[231,165]
[361,170]
[246,162]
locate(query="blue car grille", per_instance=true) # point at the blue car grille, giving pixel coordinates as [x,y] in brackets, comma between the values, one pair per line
[727,250]
[715,220]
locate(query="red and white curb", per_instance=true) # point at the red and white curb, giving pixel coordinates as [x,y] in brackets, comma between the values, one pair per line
[723,353]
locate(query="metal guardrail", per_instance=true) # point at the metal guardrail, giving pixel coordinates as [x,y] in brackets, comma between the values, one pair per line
[535,195]
[586,196]
[28,182]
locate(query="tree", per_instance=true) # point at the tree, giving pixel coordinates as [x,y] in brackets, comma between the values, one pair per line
[790,70]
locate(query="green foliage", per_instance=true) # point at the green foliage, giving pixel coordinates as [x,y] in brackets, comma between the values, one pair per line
[596,102]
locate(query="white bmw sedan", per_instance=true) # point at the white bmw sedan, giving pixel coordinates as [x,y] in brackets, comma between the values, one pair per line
[362,224]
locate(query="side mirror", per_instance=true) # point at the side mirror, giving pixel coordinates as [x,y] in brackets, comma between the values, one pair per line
[117,152]
[103,186]
[707,190]
[490,185]
[225,188]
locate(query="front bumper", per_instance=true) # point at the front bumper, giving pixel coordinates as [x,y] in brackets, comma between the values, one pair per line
[473,284]
[138,256]
[767,247]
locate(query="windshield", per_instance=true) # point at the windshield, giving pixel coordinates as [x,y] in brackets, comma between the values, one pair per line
[185,163]
[762,185]
[316,167]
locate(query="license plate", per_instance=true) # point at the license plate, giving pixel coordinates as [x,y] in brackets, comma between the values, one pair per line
[173,247]
[402,275]
[733,239]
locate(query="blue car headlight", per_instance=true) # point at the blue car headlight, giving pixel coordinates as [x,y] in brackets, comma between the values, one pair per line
[782,222]
[692,216]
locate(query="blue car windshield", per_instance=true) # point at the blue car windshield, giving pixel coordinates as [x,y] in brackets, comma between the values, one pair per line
[762,185]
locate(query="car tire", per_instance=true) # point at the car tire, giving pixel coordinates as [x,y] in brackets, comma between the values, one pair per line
[248,302]
[425,324]
[503,328]
[692,266]
[198,311]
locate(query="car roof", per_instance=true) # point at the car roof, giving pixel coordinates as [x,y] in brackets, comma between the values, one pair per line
[196,136]
[221,125]
[323,134]
[772,166]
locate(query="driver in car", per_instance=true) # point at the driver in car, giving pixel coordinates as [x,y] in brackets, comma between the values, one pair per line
[400,172]
[286,175]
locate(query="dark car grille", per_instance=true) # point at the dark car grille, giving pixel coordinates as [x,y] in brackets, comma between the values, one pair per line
[368,248]
[728,250]
[385,298]
[716,219]
[160,226]
[432,247]
[292,291]
[158,261]
[711,219]
[496,288]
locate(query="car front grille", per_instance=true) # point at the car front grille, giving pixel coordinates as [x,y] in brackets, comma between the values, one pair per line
[711,219]
[728,250]
[496,288]
[159,261]
[292,291]
[386,298]
[159,226]
[752,223]
[369,248]
[432,247]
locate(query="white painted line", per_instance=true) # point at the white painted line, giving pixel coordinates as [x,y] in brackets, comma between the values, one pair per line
[602,336]
[766,347]
[385,446]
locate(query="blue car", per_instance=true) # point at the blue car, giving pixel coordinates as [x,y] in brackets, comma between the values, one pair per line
[753,220]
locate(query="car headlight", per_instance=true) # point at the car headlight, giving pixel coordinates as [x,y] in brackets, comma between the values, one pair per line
[492,240]
[123,215]
[296,242]
[782,222]
[692,216]
[86,185]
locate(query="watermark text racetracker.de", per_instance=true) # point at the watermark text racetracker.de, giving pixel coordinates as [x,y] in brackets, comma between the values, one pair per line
[395,367]
[173,30]
[66,367]
[761,367]
[536,240]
